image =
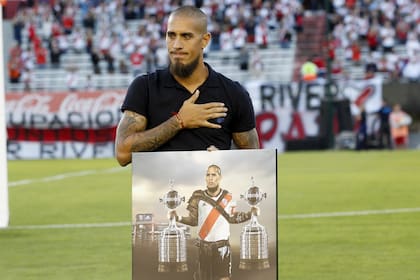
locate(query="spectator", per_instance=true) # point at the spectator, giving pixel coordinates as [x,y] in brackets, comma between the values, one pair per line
[77,41]
[130,11]
[123,67]
[401,31]
[137,62]
[18,23]
[226,39]
[15,50]
[384,129]
[14,67]
[27,78]
[89,40]
[161,56]
[63,43]
[299,21]
[141,40]
[309,70]
[89,83]
[412,45]
[362,135]
[321,66]
[72,78]
[411,70]
[370,67]
[256,63]
[337,70]
[127,42]
[55,53]
[399,121]
[356,53]
[28,58]
[261,34]
[113,53]
[239,35]
[387,35]
[47,27]
[286,33]
[250,30]
[372,39]
[89,21]
[41,54]
[243,59]
[95,58]
[393,64]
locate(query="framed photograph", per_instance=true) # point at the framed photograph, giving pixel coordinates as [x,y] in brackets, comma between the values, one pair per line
[204,215]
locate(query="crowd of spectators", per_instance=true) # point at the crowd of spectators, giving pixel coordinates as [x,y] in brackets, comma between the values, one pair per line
[381,27]
[102,30]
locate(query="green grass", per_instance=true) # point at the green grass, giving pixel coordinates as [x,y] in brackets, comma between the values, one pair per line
[354,247]
[351,247]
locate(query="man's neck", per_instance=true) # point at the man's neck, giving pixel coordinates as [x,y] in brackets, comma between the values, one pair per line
[197,78]
[215,193]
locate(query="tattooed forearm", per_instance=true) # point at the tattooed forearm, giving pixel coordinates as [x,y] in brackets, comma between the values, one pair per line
[132,135]
[247,140]
[152,139]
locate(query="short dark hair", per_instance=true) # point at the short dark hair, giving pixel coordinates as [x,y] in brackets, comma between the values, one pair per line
[192,12]
[218,169]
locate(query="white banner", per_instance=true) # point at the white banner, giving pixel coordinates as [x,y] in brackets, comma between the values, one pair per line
[291,111]
[82,125]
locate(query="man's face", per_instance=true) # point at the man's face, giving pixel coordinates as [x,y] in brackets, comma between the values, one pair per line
[213,179]
[185,42]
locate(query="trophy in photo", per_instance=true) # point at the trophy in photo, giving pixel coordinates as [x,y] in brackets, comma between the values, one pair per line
[172,240]
[254,239]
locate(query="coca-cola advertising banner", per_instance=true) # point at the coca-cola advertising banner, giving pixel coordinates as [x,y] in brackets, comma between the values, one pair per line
[44,125]
[62,124]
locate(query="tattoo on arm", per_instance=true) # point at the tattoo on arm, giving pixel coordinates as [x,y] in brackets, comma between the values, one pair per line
[240,217]
[246,140]
[133,135]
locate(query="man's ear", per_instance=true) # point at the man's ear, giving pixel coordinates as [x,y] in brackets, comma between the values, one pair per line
[206,40]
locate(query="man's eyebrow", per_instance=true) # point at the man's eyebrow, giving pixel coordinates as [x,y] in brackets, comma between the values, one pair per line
[182,33]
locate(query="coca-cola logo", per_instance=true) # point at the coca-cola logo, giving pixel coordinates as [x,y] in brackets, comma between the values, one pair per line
[30,103]
[103,102]
[62,103]
[64,110]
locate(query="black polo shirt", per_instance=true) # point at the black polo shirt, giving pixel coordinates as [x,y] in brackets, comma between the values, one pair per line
[158,95]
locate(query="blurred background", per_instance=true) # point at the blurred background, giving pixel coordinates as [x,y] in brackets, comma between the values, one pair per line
[317,71]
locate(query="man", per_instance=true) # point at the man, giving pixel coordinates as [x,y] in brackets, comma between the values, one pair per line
[212,210]
[187,106]
[385,129]
[400,122]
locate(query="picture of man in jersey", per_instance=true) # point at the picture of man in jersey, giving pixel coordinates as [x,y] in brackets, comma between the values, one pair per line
[213,210]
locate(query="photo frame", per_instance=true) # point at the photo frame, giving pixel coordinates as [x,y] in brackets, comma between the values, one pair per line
[163,248]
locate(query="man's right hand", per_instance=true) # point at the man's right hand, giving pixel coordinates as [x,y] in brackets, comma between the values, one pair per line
[198,115]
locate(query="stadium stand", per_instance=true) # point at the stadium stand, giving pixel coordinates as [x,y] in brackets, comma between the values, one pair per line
[349,27]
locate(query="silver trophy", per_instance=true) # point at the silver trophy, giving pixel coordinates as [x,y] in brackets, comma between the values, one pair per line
[254,239]
[172,241]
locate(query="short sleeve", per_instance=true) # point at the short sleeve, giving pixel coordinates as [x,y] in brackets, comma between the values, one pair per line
[136,99]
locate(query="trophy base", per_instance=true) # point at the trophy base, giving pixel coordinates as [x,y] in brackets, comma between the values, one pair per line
[254,264]
[172,267]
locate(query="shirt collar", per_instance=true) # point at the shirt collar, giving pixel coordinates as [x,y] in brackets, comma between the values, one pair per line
[211,82]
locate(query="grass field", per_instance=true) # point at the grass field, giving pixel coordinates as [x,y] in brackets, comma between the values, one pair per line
[342,215]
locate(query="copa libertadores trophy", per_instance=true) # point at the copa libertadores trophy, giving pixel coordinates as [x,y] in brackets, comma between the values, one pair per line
[172,241]
[254,239]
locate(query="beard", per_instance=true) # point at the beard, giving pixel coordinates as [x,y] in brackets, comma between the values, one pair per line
[183,70]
